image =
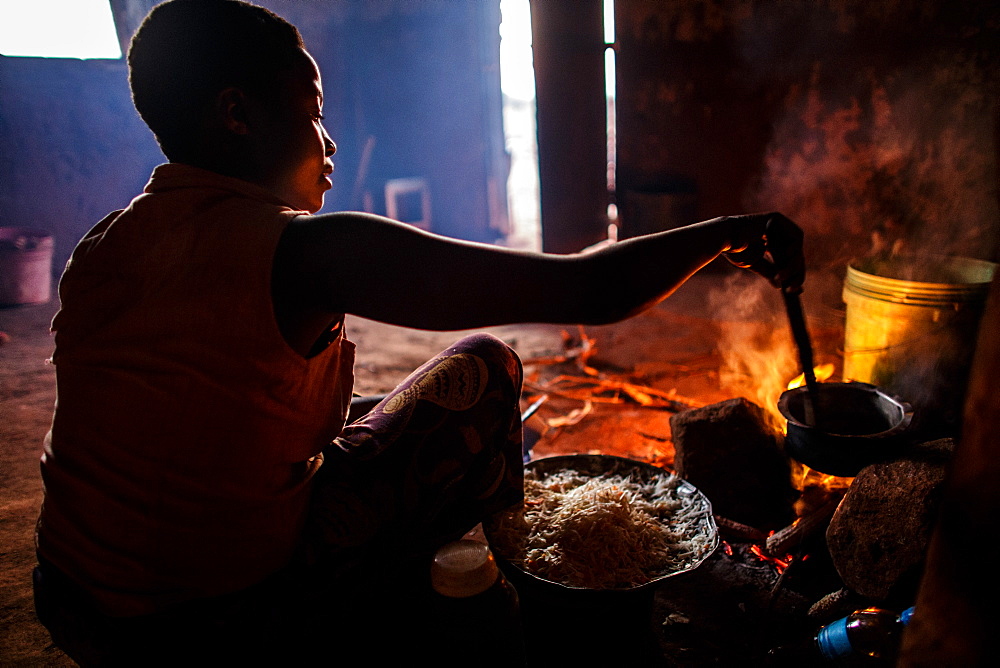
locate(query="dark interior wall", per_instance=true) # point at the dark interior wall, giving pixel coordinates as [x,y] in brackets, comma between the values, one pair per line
[692,127]
[422,77]
[422,92]
[412,90]
[72,147]
[872,123]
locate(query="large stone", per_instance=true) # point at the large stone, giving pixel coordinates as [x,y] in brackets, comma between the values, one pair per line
[879,535]
[731,452]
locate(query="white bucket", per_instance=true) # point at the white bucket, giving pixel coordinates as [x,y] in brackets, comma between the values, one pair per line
[25,266]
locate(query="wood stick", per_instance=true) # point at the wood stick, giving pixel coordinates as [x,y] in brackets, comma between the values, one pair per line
[779,543]
[740,530]
[603,384]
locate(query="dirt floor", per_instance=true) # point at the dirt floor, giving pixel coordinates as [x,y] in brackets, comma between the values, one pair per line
[676,353]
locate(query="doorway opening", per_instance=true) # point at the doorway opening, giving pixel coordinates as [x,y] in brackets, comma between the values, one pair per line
[610,82]
[517,82]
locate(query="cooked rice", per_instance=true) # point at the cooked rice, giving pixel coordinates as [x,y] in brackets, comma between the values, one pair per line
[606,532]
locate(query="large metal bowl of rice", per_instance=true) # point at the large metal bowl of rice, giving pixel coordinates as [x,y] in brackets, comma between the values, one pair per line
[603,523]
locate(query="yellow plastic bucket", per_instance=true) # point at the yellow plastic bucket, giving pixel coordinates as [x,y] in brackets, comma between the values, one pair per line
[910,329]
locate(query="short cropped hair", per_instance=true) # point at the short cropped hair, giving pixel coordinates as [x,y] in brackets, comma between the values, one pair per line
[187,51]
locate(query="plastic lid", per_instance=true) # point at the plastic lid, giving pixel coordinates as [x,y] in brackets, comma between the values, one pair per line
[905,616]
[463,568]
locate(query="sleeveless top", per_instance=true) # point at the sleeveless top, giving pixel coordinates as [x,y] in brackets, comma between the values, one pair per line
[186,430]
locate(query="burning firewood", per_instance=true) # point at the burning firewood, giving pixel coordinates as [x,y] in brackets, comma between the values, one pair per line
[782,542]
[738,530]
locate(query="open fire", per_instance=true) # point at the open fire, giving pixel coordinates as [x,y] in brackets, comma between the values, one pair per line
[582,404]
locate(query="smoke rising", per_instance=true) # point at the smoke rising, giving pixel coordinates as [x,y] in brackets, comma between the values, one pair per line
[884,140]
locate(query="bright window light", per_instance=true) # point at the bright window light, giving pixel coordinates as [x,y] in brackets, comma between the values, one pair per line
[517,73]
[609,72]
[609,21]
[58,29]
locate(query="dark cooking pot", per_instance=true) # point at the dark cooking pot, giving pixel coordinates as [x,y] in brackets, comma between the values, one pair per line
[858,425]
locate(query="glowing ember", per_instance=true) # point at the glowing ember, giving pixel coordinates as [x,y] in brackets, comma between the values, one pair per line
[780,564]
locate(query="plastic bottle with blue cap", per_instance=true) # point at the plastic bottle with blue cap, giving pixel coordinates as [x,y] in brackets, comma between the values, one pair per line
[869,637]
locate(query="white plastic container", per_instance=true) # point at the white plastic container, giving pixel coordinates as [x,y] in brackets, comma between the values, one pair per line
[25,266]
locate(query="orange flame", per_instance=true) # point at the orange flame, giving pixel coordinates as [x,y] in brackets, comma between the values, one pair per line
[822,372]
[806,477]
